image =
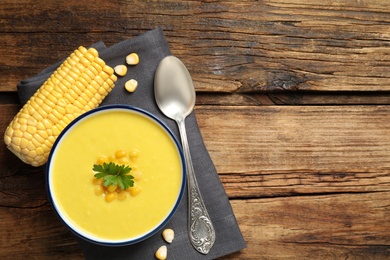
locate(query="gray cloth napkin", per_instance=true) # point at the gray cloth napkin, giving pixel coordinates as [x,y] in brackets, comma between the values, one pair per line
[152,48]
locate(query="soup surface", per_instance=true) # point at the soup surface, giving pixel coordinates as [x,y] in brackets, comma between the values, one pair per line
[72,177]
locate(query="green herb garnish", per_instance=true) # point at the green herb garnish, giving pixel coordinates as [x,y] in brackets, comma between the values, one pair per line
[114,174]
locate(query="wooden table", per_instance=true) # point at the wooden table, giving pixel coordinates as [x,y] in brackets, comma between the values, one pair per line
[292,101]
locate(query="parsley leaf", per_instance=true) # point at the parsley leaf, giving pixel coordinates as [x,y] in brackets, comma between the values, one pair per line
[114,174]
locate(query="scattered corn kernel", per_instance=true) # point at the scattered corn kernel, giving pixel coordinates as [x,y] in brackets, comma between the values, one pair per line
[131,85]
[162,253]
[132,59]
[168,235]
[120,70]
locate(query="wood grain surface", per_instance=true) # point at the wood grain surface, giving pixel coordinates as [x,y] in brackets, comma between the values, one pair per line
[292,102]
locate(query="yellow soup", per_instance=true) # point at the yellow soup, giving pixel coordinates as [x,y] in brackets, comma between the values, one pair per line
[104,133]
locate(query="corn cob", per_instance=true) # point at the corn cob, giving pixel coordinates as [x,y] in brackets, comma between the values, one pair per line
[78,85]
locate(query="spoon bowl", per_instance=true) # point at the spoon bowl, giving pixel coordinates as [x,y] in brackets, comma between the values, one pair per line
[174,90]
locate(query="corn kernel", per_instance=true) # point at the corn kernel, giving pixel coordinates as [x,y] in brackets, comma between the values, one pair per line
[161,253]
[122,195]
[102,159]
[46,149]
[131,85]
[94,52]
[132,59]
[134,191]
[168,235]
[98,181]
[134,153]
[110,196]
[120,70]
[18,149]
[101,63]
[56,130]
[137,175]
[31,129]
[32,121]
[99,190]
[27,135]
[23,128]
[9,131]
[89,73]
[17,125]
[37,116]
[120,154]
[89,56]
[40,151]
[108,70]
[16,141]
[112,188]
[97,66]
[32,153]
[30,146]
[18,133]
[7,140]
[23,144]
[124,161]
[94,70]
[38,138]
[52,119]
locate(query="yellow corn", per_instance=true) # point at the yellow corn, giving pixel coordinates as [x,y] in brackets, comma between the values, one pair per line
[112,188]
[162,253]
[131,85]
[120,70]
[132,59]
[122,195]
[134,191]
[168,235]
[120,154]
[110,196]
[80,84]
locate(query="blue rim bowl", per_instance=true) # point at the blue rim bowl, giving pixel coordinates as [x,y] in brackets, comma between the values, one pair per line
[92,238]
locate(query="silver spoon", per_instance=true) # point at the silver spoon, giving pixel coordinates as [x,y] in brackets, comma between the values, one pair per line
[175,96]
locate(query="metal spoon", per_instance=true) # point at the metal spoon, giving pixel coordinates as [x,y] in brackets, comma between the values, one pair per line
[175,96]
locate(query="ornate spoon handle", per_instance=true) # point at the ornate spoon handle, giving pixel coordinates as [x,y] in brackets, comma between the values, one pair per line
[200,228]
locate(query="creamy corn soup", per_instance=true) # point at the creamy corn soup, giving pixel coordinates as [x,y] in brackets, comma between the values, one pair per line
[103,134]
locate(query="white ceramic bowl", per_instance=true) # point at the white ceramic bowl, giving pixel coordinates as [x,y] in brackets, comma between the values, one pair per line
[73,175]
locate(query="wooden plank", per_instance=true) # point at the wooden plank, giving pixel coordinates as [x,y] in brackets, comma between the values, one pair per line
[292,98]
[298,149]
[347,226]
[251,46]
[39,234]
[342,226]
